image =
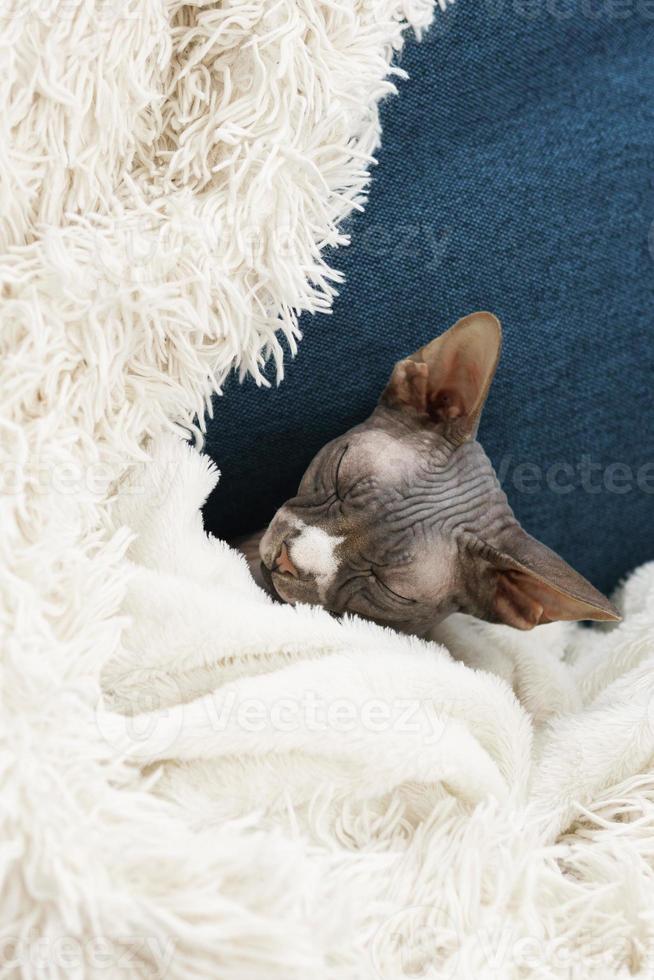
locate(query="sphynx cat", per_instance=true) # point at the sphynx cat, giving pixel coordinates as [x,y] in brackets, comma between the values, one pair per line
[402,520]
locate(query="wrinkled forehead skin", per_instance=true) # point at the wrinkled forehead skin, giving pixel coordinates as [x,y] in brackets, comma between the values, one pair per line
[388,504]
[402,519]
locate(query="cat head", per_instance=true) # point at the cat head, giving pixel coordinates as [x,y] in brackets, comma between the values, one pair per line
[402,519]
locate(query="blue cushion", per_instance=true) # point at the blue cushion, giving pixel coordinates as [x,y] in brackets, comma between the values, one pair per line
[515,175]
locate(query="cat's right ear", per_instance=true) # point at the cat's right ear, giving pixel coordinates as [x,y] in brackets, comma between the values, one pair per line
[447,381]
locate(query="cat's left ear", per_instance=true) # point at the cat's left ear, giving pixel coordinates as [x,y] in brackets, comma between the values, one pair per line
[522,583]
[447,380]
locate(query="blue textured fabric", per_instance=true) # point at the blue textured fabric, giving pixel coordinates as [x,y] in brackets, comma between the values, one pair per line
[516,175]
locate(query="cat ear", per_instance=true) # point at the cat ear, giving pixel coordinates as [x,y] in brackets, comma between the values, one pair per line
[447,381]
[525,584]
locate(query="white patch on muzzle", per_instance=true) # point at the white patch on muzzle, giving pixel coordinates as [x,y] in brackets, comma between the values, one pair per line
[312,553]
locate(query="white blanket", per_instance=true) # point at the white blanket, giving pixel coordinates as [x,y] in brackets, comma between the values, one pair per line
[334,801]
[443,825]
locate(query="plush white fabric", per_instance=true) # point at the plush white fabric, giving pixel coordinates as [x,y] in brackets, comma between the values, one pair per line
[168,177]
[443,826]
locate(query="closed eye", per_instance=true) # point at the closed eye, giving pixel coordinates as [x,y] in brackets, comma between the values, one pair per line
[394,595]
[338,470]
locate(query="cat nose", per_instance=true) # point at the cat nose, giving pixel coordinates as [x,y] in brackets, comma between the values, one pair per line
[283,562]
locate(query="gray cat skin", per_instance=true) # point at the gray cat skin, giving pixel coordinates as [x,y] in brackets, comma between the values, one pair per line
[402,520]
